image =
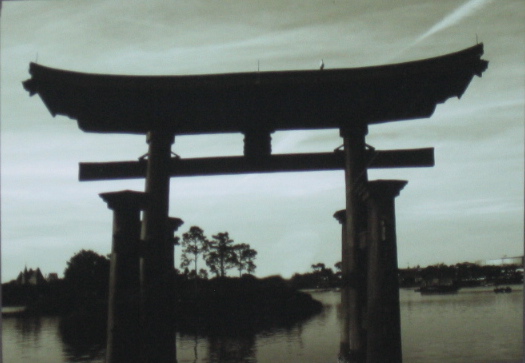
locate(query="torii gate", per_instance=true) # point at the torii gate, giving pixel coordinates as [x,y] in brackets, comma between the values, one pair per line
[257,104]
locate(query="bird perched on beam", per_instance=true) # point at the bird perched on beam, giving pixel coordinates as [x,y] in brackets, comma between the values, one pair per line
[321,66]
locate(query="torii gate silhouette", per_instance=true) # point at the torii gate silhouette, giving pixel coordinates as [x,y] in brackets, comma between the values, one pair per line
[257,104]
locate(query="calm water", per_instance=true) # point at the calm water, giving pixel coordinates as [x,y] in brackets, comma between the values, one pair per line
[475,325]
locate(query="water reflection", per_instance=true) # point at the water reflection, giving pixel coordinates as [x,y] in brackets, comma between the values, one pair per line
[84,336]
[236,342]
[29,327]
[471,326]
[232,349]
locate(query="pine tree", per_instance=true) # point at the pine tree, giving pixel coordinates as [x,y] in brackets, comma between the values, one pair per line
[221,256]
[244,258]
[194,243]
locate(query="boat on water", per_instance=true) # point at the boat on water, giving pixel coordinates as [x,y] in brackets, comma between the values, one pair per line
[438,286]
[499,290]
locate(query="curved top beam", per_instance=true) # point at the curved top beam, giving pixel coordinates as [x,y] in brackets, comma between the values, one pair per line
[258,101]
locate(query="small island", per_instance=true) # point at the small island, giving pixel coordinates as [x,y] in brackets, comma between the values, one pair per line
[220,305]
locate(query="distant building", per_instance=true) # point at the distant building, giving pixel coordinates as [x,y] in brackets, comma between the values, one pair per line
[503,261]
[30,277]
[53,276]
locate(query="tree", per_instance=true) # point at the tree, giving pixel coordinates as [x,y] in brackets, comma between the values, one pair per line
[323,275]
[244,258]
[194,243]
[319,267]
[221,256]
[338,270]
[203,274]
[87,273]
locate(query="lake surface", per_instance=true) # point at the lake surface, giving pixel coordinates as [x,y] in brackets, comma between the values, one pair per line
[475,325]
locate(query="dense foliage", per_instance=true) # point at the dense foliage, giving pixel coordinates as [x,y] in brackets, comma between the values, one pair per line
[244,257]
[87,274]
[84,287]
[221,256]
[236,306]
[220,253]
[85,284]
[321,277]
[194,243]
[462,274]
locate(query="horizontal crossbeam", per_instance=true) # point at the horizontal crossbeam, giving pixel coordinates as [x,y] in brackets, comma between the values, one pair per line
[269,164]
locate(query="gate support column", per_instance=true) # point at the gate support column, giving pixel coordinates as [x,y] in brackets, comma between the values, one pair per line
[345,326]
[156,264]
[354,268]
[384,322]
[123,340]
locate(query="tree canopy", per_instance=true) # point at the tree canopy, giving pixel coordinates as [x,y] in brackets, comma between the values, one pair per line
[194,243]
[87,270]
[87,279]
[244,257]
[221,256]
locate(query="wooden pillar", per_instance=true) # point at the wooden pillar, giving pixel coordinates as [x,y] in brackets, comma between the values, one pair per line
[354,270]
[257,144]
[123,336]
[345,324]
[384,321]
[156,271]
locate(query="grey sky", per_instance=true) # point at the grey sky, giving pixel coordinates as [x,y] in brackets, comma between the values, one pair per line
[468,207]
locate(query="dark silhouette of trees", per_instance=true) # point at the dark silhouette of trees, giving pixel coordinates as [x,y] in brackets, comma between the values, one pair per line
[86,280]
[244,257]
[194,243]
[319,267]
[463,274]
[338,270]
[88,272]
[321,277]
[235,306]
[203,274]
[324,277]
[221,256]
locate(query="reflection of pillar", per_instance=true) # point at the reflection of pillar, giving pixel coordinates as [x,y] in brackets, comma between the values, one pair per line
[123,340]
[354,275]
[156,271]
[239,348]
[383,322]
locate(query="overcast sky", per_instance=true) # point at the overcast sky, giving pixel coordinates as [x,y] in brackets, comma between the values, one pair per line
[468,207]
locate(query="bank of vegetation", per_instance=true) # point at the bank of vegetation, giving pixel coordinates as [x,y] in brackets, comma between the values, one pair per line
[463,274]
[202,304]
[240,305]
[209,297]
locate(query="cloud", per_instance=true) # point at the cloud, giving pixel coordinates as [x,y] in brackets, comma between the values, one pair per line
[454,18]
[466,10]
